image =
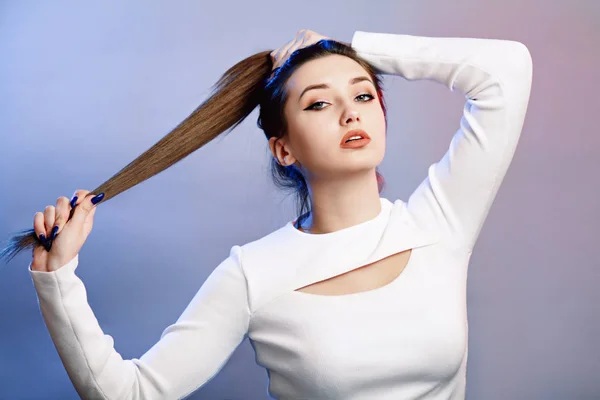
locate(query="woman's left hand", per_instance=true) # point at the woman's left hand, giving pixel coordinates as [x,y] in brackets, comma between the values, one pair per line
[303,38]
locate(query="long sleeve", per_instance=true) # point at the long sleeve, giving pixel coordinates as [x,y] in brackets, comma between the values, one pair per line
[495,76]
[188,354]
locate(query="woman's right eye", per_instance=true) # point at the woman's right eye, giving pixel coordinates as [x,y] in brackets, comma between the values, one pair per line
[315,106]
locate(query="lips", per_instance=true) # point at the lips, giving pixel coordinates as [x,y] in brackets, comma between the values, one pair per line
[355,142]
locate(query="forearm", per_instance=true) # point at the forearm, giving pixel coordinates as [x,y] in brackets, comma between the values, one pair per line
[94,367]
[445,59]
[495,77]
[188,354]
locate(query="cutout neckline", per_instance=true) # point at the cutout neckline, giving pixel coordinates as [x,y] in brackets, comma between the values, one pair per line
[364,293]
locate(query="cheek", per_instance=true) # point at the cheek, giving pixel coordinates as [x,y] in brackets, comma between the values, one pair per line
[313,136]
[379,131]
[377,122]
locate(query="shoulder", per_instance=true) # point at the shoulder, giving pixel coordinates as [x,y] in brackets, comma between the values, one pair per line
[265,263]
[268,251]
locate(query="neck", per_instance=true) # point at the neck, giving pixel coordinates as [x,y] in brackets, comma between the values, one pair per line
[340,204]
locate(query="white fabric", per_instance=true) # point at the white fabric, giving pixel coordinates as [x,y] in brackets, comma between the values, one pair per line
[406,340]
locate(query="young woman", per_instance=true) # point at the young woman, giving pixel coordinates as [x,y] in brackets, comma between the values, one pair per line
[359,297]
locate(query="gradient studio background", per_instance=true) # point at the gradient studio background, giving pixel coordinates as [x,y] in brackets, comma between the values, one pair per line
[86,87]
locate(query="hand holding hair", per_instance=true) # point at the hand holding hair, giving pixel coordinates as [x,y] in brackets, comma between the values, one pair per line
[63,229]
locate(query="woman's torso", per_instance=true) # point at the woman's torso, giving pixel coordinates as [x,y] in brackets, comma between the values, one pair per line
[396,328]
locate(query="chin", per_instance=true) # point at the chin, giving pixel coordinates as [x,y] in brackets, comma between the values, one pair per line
[363,158]
[349,162]
[364,165]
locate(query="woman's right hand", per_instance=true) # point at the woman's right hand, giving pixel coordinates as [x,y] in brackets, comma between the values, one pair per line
[67,235]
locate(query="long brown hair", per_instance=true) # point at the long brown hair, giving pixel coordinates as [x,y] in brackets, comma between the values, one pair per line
[248,84]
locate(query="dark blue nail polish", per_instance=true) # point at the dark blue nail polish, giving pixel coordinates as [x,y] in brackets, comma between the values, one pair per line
[73,201]
[54,231]
[45,242]
[97,199]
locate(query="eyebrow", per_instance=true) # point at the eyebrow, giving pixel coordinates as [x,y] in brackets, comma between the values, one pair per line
[352,81]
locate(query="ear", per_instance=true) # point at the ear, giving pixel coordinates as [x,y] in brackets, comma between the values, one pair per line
[280,150]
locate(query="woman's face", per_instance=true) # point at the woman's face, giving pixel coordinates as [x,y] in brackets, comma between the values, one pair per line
[327,98]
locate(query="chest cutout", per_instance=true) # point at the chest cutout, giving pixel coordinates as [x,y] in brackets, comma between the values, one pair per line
[368,277]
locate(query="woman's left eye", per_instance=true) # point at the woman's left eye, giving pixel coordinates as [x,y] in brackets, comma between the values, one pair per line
[369,97]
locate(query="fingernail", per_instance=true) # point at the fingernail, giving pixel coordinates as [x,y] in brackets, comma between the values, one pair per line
[97,199]
[45,242]
[54,231]
[73,201]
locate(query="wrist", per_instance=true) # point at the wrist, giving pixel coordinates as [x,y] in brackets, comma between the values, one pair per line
[56,262]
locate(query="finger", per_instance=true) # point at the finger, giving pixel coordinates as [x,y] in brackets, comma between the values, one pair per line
[311,39]
[89,219]
[276,54]
[90,216]
[285,51]
[39,227]
[78,196]
[40,256]
[76,199]
[292,42]
[85,207]
[49,216]
[308,37]
[303,39]
[281,59]
[298,38]
[63,208]
[281,54]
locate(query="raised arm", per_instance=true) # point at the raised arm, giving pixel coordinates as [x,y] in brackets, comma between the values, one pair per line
[495,77]
[188,354]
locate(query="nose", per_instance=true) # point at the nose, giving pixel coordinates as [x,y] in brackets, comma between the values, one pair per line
[350,115]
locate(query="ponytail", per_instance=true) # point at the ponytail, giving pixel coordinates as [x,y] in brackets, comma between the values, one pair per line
[234,97]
